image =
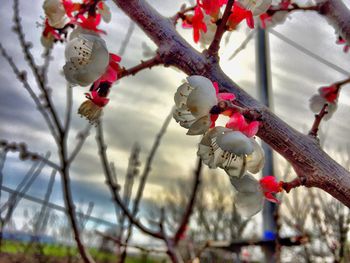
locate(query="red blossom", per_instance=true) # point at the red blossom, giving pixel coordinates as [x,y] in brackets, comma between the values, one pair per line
[198,24]
[111,74]
[284,5]
[264,18]
[49,30]
[97,99]
[330,94]
[238,15]
[211,7]
[237,122]
[270,186]
[70,7]
[90,22]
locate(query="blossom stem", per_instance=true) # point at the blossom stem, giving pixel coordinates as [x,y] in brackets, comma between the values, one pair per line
[181,14]
[221,29]
[318,118]
[299,181]
[155,61]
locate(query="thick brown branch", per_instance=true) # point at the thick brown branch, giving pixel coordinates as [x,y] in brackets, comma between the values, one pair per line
[303,152]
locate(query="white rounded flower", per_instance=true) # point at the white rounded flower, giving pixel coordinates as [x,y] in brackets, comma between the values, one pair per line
[55,13]
[232,151]
[249,197]
[257,7]
[87,59]
[316,104]
[194,100]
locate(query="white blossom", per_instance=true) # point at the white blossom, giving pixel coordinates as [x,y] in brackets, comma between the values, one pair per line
[248,197]
[87,59]
[194,100]
[316,104]
[257,7]
[232,151]
[55,13]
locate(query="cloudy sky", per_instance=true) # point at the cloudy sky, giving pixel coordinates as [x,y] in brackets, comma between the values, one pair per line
[139,104]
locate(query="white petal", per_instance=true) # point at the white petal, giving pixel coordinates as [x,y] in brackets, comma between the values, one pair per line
[245,184]
[256,6]
[184,117]
[249,204]
[261,7]
[256,160]
[201,100]
[235,142]
[181,95]
[316,103]
[87,59]
[200,126]
[235,165]
[197,81]
[55,12]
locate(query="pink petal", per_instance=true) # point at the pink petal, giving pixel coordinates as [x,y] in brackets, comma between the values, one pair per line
[226,96]
[271,198]
[216,86]
[251,129]
[114,57]
[236,122]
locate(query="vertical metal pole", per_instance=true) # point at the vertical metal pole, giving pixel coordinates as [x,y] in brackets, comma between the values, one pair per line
[263,85]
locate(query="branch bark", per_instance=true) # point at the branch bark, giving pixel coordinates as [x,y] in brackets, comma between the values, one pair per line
[303,152]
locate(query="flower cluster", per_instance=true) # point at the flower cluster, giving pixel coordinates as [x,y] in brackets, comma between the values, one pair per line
[326,95]
[207,13]
[88,61]
[198,104]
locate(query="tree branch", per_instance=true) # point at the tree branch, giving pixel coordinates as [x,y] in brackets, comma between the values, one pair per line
[143,65]
[220,30]
[303,152]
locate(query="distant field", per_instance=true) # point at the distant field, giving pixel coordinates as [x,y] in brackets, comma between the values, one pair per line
[14,250]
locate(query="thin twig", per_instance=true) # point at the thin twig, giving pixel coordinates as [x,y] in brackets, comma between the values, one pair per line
[318,118]
[82,135]
[189,209]
[24,154]
[114,188]
[145,174]
[221,29]
[299,181]
[117,241]
[35,69]
[143,65]
[182,13]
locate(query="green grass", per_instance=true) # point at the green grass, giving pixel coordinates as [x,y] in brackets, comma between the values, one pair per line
[60,251]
